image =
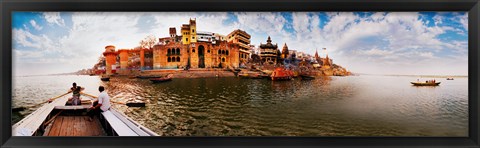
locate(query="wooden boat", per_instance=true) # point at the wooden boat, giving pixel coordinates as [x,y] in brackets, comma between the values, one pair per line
[281,74]
[250,76]
[58,119]
[162,79]
[148,77]
[425,83]
[307,77]
[449,78]
[105,78]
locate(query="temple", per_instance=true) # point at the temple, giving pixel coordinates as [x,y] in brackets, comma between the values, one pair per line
[269,52]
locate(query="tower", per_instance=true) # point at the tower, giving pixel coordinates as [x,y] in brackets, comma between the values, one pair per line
[193,30]
[110,59]
[173,32]
[185,34]
[285,51]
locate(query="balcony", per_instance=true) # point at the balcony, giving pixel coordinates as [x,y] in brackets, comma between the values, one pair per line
[243,39]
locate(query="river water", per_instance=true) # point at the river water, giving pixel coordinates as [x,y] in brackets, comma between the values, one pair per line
[365,105]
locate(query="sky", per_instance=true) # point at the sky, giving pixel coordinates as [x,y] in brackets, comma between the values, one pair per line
[410,43]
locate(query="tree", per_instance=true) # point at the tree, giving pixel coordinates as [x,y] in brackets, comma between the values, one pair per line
[148,42]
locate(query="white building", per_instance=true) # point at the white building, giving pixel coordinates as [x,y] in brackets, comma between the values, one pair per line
[203,36]
[219,37]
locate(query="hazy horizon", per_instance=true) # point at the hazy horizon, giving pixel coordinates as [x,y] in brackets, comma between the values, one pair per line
[396,43]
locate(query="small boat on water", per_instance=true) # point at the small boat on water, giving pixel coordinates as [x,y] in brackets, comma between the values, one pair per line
[148,76]
[59,119]
[250,76]
[281,74]
[105,78]
[425,83]
[162,79]
[449,78]
[307,77]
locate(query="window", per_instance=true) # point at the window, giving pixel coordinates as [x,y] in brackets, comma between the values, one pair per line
[208,51]
[178,51]
[178,59]
[169,51]
[193,50]
[186,39]
[226,52]
[193,30]
[193,38]
[173,51]
[169,59]
[173,59]
[219,51]
[223,51]
[223,59]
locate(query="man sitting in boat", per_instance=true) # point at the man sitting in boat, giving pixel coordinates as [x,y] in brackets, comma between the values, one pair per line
[75,99]
[101,105]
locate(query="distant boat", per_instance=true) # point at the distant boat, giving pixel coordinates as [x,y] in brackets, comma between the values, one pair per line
[281,74]
[425,83]
[162,79]
[449,78]
[250,76]
[307,77]
[148,77]
[105,78]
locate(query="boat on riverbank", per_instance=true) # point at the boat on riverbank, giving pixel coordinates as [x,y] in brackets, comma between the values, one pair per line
[105,78]
[307,77]
[425,83]
[148,76]
[59,119]
[281,74]
[449,78]
[250,76]
[162,79]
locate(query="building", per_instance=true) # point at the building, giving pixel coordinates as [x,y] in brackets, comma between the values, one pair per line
[326,62]
[201,55]
[196,50]
[285,52]
[242,39]
[269,52]
[205,37]
[189,34]
[252,50]
[219,37]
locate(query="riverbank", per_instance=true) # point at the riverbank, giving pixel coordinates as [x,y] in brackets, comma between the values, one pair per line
[180,73]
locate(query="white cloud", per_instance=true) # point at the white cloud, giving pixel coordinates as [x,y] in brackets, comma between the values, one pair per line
[27,39]
[35,25]
[463,19]
[360,44]
[54,18]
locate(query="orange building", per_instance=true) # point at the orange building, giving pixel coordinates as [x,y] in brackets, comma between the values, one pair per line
[110,59]
[241,38]
[197,55]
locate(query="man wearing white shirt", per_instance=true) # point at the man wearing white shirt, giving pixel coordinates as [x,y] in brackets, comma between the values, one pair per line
[102,104]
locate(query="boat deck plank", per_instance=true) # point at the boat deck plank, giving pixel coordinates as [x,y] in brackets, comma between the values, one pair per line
[75,126]
[30,124]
